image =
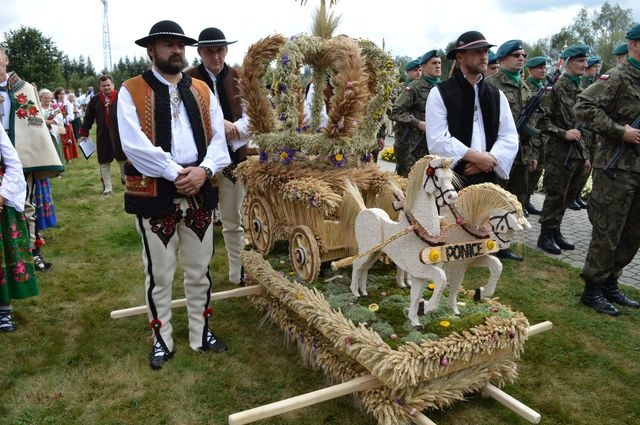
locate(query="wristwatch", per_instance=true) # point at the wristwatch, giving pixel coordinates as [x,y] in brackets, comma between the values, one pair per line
[207,171]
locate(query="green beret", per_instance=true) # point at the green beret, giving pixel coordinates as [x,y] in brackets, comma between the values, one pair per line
[622,49]
[633,33]
[427,56]
[413,64]
[508,47]
[592,60]
[493,58]
[536,62]
[575,51]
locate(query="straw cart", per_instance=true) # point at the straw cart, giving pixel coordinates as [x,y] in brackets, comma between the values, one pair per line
[294,188]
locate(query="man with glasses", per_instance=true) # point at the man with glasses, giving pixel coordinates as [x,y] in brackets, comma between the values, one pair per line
[511,57]
[567,158]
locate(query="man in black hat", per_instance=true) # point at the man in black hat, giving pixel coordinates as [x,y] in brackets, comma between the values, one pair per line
[223,79]
[408,113]
[171,129]
[469,120]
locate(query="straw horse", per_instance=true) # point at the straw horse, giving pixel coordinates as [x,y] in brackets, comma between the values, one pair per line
[481,211]
[430,185]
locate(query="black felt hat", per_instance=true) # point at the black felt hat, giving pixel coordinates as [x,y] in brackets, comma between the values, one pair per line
[468,41]
[212,37]
[165,29]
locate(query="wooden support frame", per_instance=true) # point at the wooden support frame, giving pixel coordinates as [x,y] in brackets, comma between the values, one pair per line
[216,296]
[368,382]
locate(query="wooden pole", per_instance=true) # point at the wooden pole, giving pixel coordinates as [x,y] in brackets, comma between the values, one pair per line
[539,328]
[362,383]
[511,403]
[420,419]
[232,293]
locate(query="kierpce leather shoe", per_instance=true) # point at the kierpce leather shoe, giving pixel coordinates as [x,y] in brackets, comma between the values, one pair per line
[159,356]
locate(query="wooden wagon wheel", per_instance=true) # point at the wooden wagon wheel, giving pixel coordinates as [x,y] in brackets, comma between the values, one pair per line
[261,225]
[304,253]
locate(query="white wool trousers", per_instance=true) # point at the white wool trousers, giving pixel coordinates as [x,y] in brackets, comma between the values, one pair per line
[230,199]
[186,236]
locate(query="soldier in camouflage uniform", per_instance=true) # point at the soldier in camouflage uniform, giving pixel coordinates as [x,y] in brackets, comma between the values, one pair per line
[621,52]
[492,66]
[537,70]
[567,158]
[511,57]
[609,106]
[408,113]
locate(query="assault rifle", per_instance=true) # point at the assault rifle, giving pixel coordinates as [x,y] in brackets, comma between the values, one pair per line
[572,147]
[613,162]
[527,131]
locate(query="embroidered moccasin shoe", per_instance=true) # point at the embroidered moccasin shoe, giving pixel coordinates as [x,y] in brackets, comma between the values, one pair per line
[213,344]
[6,324]
[159,356]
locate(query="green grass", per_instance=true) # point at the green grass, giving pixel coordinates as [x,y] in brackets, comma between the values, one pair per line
[69,363]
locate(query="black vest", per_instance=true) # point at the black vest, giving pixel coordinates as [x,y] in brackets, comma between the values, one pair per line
[458,96]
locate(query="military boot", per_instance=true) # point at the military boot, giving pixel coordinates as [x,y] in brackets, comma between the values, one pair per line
[583,204]
[531,209]
[613,294]
[592,297]
[546,241]
[561,241]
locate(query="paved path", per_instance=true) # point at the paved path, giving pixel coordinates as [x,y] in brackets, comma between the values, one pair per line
[575,227]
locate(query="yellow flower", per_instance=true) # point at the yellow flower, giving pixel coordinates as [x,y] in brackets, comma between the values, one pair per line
[431,286]
[445,323]
[283,155]
[434,256]
[299,296]
[339,157]
[374,307]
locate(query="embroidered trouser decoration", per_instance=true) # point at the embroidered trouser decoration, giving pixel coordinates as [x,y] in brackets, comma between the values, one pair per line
[176,240]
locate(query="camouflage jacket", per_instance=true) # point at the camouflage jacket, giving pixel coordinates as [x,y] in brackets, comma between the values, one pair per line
[607,106]
[543,111]
[408,111]
[517,96]
[561,118]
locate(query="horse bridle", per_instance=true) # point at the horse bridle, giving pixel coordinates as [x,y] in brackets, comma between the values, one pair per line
[500,219]
[431,174]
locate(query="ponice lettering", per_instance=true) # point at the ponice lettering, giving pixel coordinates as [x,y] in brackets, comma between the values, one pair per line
[463,251]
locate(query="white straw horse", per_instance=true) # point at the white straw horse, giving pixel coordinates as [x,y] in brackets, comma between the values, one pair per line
[429,186]
[481,211]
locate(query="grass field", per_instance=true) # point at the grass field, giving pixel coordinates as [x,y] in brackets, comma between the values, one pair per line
[69,363]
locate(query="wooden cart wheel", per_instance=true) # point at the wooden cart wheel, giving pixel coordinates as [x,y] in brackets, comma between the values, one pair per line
[304,253]
[261,225]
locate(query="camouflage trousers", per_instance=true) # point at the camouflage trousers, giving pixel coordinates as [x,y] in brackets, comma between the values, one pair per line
[518,183]
[613,212]
[407,155]
[561,185]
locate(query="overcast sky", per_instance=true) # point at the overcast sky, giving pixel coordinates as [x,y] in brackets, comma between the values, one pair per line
[408,27]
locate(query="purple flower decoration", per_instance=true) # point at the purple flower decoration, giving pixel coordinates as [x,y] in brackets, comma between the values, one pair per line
[286,155]
[263,157]
[338,160]
[282,88]
[314,199]
[368,157]
[293,38]
[282,116]
[284,59]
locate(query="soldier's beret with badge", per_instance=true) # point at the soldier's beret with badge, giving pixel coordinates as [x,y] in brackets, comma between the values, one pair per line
[412,64]
[622,49]
[633,33]
[592,60]
[468,41]
[427,56]
[493,58]
[575,51]
[536,61]
[508,47]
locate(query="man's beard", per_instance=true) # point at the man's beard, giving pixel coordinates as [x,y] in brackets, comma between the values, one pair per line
[168,67]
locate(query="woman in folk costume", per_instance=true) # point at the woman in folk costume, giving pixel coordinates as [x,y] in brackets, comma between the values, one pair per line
[45,211]
[17,271]
[68,139]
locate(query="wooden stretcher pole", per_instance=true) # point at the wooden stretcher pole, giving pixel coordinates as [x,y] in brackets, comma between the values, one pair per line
[539,328]
[362,383]
[511,403]
[420,419]
[216,296]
